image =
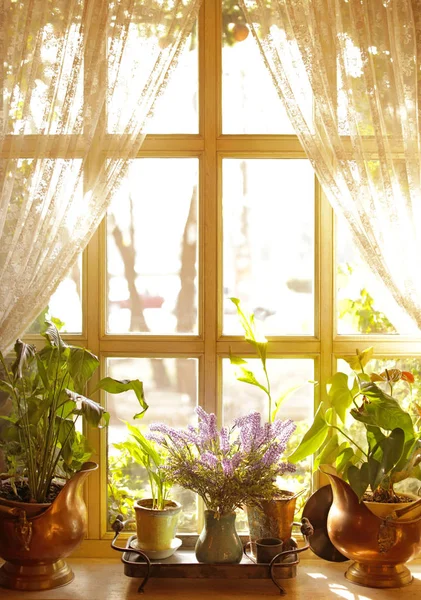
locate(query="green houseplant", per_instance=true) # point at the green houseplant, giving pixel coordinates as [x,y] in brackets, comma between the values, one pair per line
[274,516]
[43,517]
[157,516]
[373,441]
[384,449]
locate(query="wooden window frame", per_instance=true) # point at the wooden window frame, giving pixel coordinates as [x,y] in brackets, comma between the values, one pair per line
[210,346]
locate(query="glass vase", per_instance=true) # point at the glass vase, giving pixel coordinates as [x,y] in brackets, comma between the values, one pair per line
[219,541]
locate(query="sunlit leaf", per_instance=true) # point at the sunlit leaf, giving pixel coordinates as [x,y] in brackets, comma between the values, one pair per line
[360,360]
[359,479]
[340,395]
[115,386]
[82,365]
[92,411]
[313,440]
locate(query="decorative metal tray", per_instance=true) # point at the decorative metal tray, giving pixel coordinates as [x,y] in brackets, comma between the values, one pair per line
[183,563]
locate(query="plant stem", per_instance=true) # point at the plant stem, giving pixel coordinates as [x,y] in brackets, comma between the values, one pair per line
[268,391]
[348,438]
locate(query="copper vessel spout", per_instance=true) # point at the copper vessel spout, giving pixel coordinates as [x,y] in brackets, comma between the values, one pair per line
[379,546]
[34,543]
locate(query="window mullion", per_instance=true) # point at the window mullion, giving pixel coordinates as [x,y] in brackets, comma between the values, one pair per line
[210,106]
[95,489]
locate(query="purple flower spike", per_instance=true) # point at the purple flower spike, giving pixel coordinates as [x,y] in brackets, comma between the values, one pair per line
[209,459]
[153,437]
[227,467]
[224,440]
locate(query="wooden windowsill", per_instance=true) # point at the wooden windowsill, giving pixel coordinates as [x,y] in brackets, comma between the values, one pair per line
[103,579]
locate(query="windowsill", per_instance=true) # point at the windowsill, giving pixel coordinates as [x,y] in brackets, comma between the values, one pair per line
[103,579]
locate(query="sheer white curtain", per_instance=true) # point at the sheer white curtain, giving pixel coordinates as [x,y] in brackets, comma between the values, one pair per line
[78,82]
[349,73]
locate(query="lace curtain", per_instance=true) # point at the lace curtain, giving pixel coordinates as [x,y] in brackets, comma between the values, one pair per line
[79,80]
[349,75]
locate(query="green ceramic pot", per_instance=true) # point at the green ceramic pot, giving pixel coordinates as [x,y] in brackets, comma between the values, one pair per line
[219,541]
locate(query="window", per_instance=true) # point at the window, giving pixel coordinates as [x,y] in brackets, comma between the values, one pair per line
[220,202]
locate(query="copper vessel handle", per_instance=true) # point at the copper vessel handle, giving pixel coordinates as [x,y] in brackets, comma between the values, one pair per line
[12,512]
[307,531]
[23,527]
[399,512]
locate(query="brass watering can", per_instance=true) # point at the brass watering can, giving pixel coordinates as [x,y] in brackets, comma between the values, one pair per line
[35,538]
[379,546]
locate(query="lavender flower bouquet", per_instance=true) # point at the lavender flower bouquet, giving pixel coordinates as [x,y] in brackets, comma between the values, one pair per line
[228,468]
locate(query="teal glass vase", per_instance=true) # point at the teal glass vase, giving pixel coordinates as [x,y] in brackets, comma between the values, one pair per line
[219,541]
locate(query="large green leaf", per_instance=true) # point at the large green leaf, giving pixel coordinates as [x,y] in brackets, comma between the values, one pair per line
[329,453]
[65,430]
[114,386]
[359,479]
[374,437]
[313,440]
[408,463]
[340,394]
[383,411]
[91,410]
[42,371]
[391,448]
[53,336]
[344,459]
[82,365]
[24,356]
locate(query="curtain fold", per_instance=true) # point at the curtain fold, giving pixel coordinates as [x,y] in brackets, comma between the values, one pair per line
[79,82]
[349,73]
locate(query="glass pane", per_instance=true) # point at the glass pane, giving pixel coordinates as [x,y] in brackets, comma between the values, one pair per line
[30,74]
[170,386]
[250,103]
[363,303]
[268,244]
[152,248]
[284,374]
[65,304]
[176,110]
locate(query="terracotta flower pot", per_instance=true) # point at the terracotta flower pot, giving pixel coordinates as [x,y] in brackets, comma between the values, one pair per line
[35,538]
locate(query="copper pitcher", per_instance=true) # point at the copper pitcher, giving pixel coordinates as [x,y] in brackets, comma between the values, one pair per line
[379,546]
[35,538]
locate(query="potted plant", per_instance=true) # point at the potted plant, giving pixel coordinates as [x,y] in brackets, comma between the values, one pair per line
[373,442]
[42,513]
[227,469]
[157,516]
[273,517]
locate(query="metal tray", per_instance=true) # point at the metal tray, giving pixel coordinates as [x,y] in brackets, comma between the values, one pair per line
[183,564]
